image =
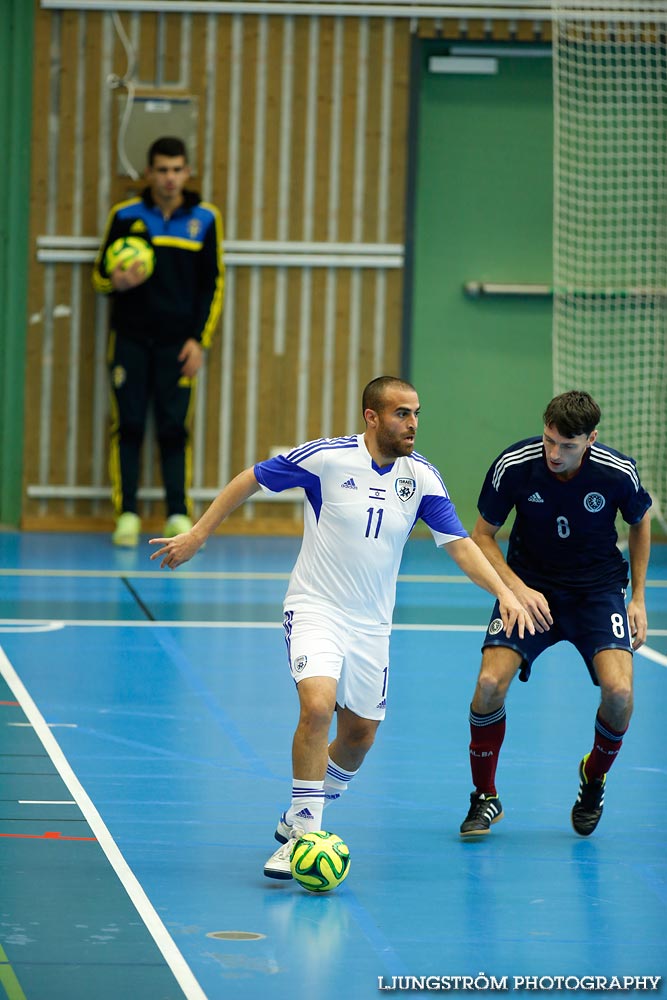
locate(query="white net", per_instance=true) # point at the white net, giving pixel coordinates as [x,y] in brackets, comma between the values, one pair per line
[610,222]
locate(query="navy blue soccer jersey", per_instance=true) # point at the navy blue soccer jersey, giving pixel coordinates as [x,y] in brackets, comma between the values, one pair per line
[564,532]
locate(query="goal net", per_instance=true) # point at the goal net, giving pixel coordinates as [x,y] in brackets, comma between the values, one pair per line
[610,222]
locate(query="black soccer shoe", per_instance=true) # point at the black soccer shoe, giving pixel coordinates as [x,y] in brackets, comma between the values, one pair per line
[484,810]
[587,810]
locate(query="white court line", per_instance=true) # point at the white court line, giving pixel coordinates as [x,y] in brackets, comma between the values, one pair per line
[32,627]
[652,654]
[9,624]
[142,574]
[46,802]
[51,725]
[146,574]
[172,956]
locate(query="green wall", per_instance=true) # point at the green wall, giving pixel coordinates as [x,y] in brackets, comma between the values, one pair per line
[482,204]
[16,48]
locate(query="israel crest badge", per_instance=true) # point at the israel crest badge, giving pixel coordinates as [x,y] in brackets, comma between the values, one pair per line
[405,488]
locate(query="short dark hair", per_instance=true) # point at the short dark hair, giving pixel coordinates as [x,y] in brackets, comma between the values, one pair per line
[167,145]
[375,391]
[573,413]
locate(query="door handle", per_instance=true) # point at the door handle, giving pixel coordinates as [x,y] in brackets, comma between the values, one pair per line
[482,289]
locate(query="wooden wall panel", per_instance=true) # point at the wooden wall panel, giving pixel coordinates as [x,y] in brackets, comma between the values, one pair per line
[297,341]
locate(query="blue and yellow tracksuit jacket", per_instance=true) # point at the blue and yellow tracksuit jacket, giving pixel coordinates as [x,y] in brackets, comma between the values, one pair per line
[183,297]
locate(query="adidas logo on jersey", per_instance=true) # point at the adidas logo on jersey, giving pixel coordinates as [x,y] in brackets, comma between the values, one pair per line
[383,703]
[535,498]
[349,484]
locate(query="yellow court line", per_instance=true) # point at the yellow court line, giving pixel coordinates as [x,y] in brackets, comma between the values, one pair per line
[8,979]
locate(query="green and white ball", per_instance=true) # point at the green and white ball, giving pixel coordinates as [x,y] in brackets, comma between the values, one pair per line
[126,251]
[320,861]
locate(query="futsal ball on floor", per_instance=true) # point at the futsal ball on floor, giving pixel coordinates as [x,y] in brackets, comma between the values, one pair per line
[320,861]
[126,250]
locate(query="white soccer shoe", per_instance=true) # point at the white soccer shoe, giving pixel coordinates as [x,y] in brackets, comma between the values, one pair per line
[278,865]
[283,830]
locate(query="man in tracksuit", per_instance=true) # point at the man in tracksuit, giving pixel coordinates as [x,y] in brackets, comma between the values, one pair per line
[160,327]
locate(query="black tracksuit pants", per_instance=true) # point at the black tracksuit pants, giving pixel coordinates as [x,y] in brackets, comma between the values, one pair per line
[145,374]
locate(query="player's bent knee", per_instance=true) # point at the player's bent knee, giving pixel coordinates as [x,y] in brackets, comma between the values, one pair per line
[499,666]
[618,697]
[361,737]
[317,707]
[316,711]
[490,690]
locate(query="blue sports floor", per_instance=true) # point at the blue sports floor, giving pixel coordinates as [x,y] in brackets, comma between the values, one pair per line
[145,729]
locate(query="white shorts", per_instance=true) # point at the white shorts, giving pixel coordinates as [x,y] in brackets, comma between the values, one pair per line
[317,646]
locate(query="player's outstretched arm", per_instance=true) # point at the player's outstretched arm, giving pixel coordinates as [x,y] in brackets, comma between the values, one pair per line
[175,551]
[639,549]
[484,534]
[470,558]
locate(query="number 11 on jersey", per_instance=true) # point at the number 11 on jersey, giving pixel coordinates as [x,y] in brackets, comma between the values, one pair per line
[376,515]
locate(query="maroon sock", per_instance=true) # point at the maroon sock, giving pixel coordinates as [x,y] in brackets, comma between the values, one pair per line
[487,733]
[606,745]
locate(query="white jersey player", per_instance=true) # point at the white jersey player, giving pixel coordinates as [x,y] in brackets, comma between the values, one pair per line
[357,519]
[363,495]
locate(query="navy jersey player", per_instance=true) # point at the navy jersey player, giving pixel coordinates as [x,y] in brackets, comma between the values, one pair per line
[564,565]
[363,495]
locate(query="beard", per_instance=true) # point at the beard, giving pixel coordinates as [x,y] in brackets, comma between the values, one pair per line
[393,445]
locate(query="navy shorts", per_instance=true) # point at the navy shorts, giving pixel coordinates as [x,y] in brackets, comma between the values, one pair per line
[591,622]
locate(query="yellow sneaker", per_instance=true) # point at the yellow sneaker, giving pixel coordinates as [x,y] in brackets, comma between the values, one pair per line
[128,527]
[177,524]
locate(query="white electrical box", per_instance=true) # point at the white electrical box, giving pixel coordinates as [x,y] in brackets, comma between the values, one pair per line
[150,118]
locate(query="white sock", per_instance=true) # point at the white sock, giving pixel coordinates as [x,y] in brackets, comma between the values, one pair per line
[307,805]
[336,781]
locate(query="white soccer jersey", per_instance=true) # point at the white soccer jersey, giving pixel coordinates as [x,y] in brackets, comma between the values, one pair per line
[357,519]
